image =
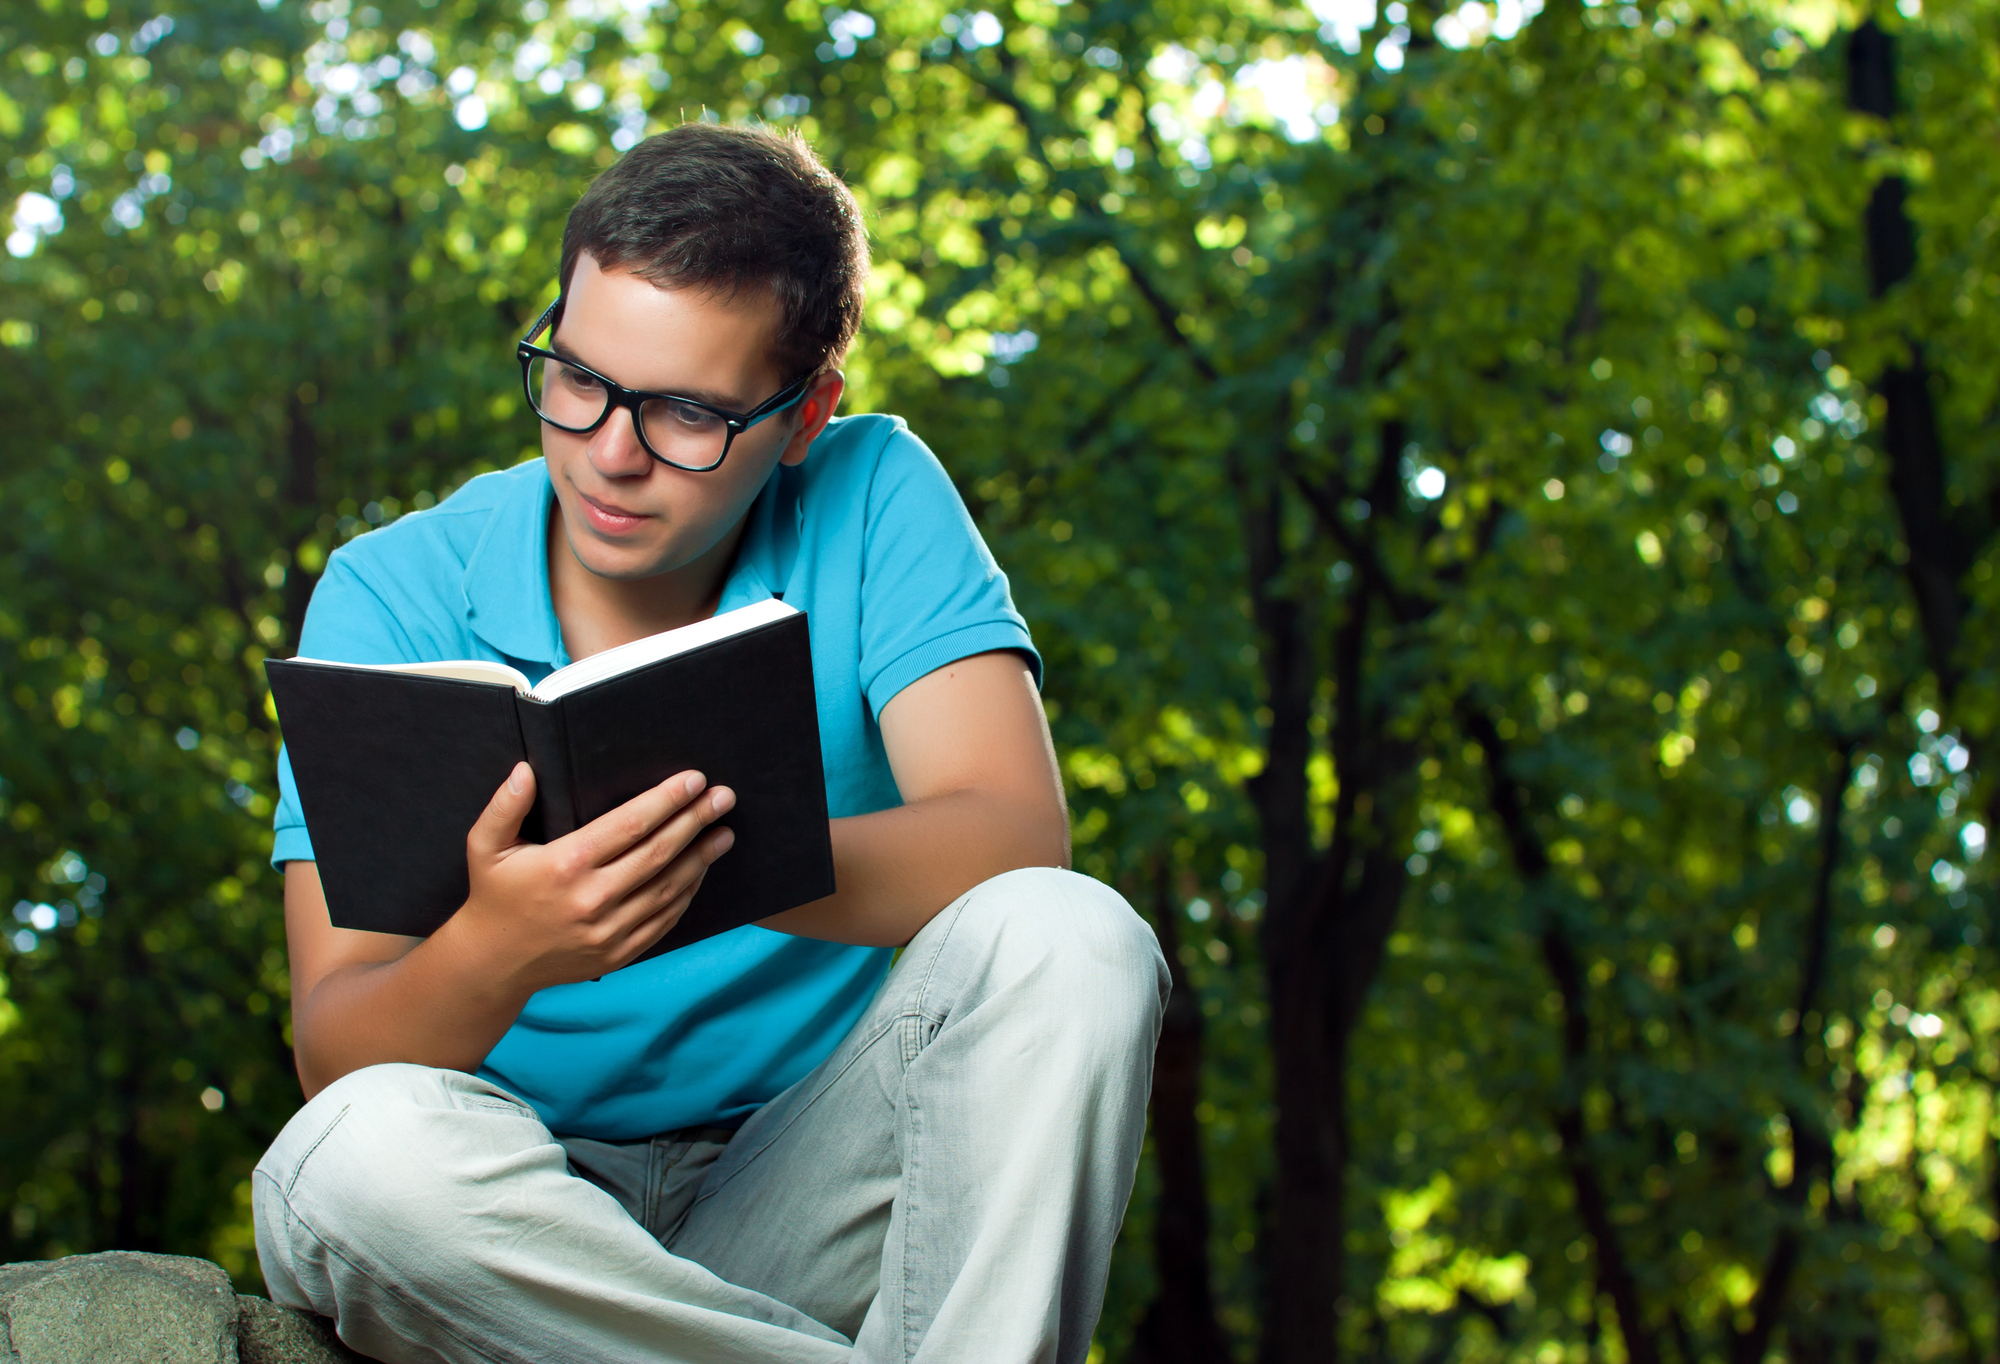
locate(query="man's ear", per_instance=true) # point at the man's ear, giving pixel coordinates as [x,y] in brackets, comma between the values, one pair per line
[815,410]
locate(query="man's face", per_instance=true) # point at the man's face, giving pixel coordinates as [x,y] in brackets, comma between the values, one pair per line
[625,514]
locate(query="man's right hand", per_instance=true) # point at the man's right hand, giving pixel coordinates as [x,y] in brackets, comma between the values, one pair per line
[537,915]
[593,900]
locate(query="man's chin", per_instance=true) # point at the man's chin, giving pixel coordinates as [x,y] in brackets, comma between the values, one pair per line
[622,568]
[627,562]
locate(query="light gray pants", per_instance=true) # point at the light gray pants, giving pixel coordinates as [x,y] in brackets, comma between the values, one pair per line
[945,1187]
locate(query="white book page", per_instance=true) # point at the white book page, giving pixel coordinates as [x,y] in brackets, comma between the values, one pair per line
[463,669]
[653,648]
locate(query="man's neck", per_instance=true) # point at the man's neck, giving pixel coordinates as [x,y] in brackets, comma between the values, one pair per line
[597,613]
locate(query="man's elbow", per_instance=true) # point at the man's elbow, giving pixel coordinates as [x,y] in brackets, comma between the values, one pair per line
[1058,842]
[1044,837]
[310,1084]
[1000,830]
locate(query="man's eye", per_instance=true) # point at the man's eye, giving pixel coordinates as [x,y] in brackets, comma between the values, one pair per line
[581,380]
[691,417]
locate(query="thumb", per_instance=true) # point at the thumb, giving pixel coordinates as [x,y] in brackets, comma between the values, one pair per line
[499,824]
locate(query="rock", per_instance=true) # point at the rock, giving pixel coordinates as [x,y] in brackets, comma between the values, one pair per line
[121,1307]
[269,1334]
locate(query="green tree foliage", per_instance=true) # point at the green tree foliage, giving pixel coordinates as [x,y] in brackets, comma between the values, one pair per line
[1503,496]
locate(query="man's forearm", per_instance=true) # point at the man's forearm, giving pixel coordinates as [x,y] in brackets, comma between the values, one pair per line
[434,1006]
[897,868]
[445,1004]
[537,915]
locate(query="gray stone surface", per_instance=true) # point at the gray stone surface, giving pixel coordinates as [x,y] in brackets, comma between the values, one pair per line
[269,1334]
[120,1307]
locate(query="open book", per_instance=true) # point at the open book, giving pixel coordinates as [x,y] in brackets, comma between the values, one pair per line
[395,761]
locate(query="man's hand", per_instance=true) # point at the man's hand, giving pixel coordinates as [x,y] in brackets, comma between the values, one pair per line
[538,915]
[593,900]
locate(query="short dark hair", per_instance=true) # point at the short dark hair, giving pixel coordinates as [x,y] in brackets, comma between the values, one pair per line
[729,209]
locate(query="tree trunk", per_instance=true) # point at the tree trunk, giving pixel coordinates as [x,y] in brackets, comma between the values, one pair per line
[1308,1213]
[1307,1222]
[1616,1278]
[141,1189]
[1180,1326]
[1812,1144]
[1324,932]
[1320,969]
[1940,539]
[301,509]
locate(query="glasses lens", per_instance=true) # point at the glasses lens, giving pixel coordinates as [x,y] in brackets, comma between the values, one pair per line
[564,395]
[684,434]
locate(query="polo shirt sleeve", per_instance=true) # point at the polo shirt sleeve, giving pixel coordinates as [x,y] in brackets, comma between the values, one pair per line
[346,622]
[931,592]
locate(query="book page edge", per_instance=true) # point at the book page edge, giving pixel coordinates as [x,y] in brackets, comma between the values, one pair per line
[483,672]
[559,683]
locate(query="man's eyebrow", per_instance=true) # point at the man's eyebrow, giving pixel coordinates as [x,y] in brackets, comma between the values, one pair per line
[728,402]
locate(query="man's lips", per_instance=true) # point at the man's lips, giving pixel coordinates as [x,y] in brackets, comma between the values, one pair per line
[607,518]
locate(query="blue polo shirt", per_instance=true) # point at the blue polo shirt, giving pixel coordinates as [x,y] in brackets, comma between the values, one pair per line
[867,537]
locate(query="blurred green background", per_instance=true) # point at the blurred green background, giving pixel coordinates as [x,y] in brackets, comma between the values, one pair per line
[1507,497]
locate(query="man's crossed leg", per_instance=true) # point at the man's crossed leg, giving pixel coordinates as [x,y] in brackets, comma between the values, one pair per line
[946,1186]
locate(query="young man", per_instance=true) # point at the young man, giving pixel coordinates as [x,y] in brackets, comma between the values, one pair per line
[767,1146]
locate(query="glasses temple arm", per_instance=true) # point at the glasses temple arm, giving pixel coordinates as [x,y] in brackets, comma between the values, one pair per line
[542,321]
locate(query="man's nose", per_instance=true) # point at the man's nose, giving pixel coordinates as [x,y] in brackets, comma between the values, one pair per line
[615,450]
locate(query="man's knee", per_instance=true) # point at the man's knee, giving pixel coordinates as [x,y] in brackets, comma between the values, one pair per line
[384,1147]
[363,1108]
[1074,940]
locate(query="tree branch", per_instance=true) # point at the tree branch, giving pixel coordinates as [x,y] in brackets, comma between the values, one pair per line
[1509,799]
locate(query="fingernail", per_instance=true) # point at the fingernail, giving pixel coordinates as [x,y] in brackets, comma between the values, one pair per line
[517,780]
[695,781]
[725,839]
[722,800]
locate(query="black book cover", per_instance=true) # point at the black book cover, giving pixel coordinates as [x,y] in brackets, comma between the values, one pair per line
[394,768]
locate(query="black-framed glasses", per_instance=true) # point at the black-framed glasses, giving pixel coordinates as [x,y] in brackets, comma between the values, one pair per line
[681,432]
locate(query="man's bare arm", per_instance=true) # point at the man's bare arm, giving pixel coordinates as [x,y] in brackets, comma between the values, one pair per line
[537,916]
[970,750]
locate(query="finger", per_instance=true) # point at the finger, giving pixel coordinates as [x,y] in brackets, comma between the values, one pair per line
[668,898]
[677,877]
[612,834]
[674,883]
[499,824]
[655,926]
[644,860]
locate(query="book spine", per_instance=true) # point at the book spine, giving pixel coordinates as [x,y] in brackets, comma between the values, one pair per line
[544,736]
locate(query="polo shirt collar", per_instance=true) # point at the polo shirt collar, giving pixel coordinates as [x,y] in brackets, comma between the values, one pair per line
[506,585]
[507,600]
[770,544]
